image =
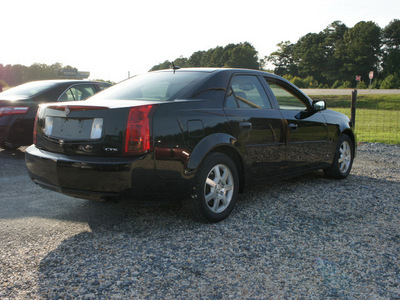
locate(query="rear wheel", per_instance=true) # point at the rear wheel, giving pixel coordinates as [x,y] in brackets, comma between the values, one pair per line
[216,188]
[343,159]
[8,146]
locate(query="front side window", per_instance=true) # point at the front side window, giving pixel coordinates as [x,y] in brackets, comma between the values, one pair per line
[78,92]
[286,100]
[246,92]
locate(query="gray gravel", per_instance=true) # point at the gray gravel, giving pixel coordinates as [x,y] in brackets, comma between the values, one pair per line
[308,237]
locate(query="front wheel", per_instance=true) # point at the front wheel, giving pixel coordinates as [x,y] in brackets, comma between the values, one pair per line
[216,188]
[343,159]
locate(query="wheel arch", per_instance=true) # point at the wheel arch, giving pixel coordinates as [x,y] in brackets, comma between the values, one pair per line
[222,143]
[350,133]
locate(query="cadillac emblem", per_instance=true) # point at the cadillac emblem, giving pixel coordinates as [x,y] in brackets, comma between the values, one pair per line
[67,111]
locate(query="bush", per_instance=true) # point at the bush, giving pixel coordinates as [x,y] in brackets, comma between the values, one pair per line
[310,82]
[391,82]
[361,85]
[288,77]
[297,81]
[376,84]
[337,84]
[345,85]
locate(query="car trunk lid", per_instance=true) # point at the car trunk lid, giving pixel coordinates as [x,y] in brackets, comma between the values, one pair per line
[86,127]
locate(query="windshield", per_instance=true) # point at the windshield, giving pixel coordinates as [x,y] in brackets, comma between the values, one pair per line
[28,89]
[157,86]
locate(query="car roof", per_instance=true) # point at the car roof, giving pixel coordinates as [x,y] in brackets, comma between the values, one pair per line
[70,81]
[218,70]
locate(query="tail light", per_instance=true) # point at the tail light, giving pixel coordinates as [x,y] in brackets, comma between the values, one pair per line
[13,110]
[138,134]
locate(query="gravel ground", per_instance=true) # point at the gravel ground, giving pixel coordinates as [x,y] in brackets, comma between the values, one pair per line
[304,238]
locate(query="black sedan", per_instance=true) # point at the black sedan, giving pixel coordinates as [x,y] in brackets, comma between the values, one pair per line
[18,105]
[200,133]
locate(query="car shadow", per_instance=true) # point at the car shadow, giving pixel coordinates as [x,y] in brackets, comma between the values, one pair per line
[14,153]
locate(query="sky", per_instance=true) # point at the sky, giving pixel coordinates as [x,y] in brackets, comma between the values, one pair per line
[114,38]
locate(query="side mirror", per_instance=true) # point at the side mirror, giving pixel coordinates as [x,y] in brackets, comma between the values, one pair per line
[318,105]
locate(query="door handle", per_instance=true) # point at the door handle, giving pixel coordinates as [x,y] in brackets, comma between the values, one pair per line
[293,127]
[245,126]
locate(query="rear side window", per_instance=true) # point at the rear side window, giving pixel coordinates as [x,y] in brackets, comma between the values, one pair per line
[157,86]
[78,92]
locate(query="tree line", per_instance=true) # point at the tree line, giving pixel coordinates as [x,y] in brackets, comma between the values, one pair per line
[242,55]
[330,58]
[12,75]
[336,55]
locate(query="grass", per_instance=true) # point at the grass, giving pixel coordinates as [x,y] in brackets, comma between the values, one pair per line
[377,116]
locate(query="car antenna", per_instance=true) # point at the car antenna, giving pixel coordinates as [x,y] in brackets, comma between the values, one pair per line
[175,67]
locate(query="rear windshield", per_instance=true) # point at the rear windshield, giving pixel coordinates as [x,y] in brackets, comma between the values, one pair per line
[28,89]
[157,86]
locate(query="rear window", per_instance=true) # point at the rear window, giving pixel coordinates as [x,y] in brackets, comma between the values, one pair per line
[28,89]
[157,86]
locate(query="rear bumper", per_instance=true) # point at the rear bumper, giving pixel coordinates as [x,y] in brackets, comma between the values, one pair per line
[91,177]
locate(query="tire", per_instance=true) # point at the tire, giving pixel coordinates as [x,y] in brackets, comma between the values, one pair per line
[8,146]
[343,160]
[215,189]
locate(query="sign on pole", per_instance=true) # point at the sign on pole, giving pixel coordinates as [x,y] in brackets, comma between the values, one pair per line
[371,75]
[358,78]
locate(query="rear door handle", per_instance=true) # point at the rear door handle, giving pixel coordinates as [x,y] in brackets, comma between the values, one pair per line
[293,127]
[245,126]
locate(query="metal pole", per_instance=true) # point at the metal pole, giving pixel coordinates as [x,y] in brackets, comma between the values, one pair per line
[353,108]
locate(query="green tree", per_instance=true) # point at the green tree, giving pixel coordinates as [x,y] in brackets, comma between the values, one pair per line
[391,34]
[283,59]
[359,50]
[333,34]
[310,54]
[165,65]
[242,55]
[195,59]
[391,51]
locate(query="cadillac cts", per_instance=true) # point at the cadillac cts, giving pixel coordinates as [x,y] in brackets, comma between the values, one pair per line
[203,134]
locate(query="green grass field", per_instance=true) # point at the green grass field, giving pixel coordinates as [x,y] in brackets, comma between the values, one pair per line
[377,116]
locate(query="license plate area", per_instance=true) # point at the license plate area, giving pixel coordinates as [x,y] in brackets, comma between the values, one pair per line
[73,129]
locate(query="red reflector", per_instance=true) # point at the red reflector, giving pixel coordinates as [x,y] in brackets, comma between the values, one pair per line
[137,138]
[13,110]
